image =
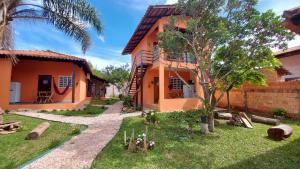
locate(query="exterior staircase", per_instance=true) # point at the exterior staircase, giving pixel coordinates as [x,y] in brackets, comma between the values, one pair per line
[139,68]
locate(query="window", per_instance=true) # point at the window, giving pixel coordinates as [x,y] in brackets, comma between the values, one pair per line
[64,81]
[176,83]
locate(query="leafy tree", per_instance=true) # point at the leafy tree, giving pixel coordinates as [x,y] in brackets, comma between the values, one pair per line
[222,32]
[118,76]
[70,16]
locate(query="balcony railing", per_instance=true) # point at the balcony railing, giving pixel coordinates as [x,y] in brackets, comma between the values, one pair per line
[185,58]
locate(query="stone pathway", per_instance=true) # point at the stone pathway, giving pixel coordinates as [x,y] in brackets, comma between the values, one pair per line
[81,150]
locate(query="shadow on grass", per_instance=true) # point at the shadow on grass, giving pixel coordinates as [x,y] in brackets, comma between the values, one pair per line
[287,156]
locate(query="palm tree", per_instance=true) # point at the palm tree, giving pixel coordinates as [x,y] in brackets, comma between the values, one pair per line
[73,17]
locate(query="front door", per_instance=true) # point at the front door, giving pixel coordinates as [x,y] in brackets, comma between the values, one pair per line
[45,82]
[156,90]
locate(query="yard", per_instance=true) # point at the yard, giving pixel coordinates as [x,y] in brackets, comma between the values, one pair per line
[15,150]
[229,147]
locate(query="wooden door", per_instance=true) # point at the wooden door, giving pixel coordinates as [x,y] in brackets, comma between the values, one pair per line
[156,90]
[44,83]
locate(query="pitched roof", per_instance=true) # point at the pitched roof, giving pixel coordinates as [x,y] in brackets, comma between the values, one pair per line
[288,52]
[292,19]
[153,13]
[49,55]
[40,55]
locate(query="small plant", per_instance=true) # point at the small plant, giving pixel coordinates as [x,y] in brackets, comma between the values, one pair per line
[43,111]
[280,112]
[6,111]
[75,131]
[151,117]
[127,101]
[121,96]
[138,108]
[102,107]
[188,118]
[140,143]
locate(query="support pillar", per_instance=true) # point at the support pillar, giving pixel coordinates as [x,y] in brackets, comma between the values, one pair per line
[73,82]
[5,74]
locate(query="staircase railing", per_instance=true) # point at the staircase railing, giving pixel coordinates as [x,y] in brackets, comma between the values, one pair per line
[141,59]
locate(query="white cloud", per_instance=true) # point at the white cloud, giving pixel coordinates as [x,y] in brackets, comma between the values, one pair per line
[101,37]
[100,63]
[171,1]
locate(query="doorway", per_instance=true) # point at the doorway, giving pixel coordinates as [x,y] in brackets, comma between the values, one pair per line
[156,90]
[45,83]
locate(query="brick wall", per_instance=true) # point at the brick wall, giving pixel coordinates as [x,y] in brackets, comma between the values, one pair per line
[263,100]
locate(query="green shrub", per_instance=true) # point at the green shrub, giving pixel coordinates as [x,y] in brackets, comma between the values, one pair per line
[189,118]
[6,111]
[121,96]
[151,117]
[127,101]
[43,111]
[280,112]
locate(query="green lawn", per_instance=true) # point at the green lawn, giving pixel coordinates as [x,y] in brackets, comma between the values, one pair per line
[109,101]
[15,150]
[89,111]
[228,148]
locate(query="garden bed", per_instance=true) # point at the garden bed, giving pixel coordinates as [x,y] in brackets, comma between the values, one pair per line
[229,147]
[15,150]
[88,111]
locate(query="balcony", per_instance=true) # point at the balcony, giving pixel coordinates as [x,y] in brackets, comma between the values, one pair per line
[185,58]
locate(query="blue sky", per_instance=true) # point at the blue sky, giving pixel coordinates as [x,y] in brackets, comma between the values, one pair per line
[119,18]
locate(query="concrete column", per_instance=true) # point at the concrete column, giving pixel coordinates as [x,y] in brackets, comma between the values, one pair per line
[5,74]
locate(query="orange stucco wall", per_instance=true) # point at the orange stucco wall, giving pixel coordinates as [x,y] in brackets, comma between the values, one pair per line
[159,69]
[5,75]
[26,72]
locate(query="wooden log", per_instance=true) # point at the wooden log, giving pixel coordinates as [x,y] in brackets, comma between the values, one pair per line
[225,116]
[7,126]
[265,120]
[280,132]
[38,131]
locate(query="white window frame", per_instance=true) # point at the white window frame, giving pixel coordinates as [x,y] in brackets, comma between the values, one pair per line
[65,79]
[176,83]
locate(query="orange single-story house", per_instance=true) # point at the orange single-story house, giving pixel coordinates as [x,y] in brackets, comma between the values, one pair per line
[66,78]
[153,84]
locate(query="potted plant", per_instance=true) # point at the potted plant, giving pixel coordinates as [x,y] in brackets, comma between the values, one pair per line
[280,113]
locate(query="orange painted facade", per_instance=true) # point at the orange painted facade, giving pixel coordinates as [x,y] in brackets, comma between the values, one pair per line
[160,68]
[26,72]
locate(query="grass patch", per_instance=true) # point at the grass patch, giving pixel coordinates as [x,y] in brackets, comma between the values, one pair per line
[15,150]
[228,148]
[109,101]
[89,111]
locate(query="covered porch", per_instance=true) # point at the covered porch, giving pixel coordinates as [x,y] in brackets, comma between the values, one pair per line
[43,82]
[163,89]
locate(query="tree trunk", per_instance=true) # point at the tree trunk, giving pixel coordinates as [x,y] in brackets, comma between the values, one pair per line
[228,102]
[204,125]
[211,122]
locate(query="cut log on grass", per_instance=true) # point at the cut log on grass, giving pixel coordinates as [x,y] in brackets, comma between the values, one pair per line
[38,131]
[280,132]
[11,125]
[225,116]
[265,120]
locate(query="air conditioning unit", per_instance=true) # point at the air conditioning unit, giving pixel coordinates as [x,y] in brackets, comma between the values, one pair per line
[15,92]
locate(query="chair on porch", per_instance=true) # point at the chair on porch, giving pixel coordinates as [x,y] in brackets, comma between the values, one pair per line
[49,98]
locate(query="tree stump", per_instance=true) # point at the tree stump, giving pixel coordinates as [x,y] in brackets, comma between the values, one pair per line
[280,132]
[38,131]
[265,120]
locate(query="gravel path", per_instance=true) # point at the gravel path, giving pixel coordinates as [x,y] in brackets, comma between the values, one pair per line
[81,150]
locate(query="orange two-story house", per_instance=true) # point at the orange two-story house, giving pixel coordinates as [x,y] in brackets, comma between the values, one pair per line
[153,82]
